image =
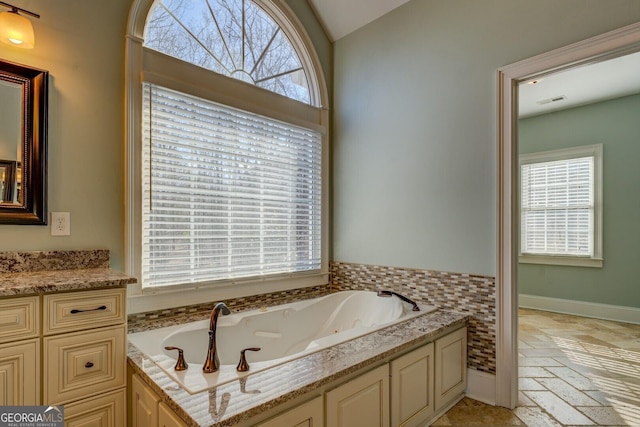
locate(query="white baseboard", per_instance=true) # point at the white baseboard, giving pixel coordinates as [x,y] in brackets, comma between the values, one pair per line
[617,313]
[481,386]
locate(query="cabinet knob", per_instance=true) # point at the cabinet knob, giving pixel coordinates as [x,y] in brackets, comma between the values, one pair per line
[181,364]
[88,365]
[243,366]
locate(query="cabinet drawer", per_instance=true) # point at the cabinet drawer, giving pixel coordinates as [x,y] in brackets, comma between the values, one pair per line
[75,311]
[19,318]
[83,363]
[105,410]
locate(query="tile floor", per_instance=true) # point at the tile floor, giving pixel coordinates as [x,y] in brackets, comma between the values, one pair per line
[574,371]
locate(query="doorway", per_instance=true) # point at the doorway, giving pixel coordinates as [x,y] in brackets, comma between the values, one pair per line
[597,49]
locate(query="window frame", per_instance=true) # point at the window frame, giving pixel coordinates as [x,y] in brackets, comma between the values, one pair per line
[144,64]
[595,260]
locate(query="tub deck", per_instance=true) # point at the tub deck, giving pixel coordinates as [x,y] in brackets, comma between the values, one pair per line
[237,401]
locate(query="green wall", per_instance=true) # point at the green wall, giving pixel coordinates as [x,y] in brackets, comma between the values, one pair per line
[614,124]
[414,144]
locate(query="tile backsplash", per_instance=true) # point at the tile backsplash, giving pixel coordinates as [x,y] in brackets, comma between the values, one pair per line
[465,293]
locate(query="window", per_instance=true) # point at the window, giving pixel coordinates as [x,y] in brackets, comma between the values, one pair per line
[235,38]
[561,207]
[227,153]
[227,194]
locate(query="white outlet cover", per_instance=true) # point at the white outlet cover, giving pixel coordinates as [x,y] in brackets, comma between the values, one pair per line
[60,224]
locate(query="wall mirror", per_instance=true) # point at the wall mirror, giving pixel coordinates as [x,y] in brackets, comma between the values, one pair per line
[23,144]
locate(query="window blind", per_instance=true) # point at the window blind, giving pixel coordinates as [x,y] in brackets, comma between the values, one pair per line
[558,207]
[226,193]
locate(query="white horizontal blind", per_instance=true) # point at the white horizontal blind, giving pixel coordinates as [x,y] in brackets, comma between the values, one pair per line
[558,207]
[226,194]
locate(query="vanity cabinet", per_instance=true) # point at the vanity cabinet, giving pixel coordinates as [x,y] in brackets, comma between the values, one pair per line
[147,410]
[412,385]
[20,351]
[82,336]
[408,391]
[361,402]
[309,414]
[451,367]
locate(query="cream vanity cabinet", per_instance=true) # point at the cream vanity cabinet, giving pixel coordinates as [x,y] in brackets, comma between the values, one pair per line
[361,402]
[309,414]
[412,387]
[147,410]
[83,367]
[20,351]
[408,391]
[422,383]
[450,368]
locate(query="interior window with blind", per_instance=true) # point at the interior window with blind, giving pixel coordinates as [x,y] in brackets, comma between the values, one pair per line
[227,194]
[561,207]
[227,154]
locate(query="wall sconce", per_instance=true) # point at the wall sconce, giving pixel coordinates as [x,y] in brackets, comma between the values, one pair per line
[15,29]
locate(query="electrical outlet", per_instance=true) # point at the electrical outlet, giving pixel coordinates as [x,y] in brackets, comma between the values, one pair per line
[60,224]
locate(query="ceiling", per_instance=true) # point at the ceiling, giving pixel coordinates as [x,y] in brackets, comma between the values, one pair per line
[341,17]
[578,86]
[581,85]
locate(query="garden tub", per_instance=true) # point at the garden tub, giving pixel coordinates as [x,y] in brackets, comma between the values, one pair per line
[283,333]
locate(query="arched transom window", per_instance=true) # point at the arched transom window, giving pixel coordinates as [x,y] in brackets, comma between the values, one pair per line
[227,181]
[235,38]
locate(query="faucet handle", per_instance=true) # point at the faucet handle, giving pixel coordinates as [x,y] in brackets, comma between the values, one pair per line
[243,366]
[181,364]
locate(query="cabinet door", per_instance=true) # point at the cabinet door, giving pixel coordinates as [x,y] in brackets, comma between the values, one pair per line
[20,373]
[168,418]
[451,367]
[308,414]
[361,402]
[412,387]
[144,404]
[106,410]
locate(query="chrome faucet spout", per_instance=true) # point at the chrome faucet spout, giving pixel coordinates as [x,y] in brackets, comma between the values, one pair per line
[212,363]
[402,297]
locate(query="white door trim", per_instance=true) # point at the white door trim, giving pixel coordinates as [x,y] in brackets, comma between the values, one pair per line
[611,44]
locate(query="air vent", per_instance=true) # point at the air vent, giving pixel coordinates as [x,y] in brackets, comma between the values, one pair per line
[554,99]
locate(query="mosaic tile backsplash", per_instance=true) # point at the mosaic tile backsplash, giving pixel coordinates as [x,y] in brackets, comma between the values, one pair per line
[464,293]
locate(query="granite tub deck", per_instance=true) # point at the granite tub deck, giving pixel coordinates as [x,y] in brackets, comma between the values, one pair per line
[238,401]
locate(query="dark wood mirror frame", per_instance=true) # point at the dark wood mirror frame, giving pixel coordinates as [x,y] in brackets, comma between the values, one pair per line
[32,206]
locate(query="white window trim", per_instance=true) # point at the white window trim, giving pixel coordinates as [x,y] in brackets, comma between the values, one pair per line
[229,92]
[596,259]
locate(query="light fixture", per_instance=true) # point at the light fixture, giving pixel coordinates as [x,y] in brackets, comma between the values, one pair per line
[15,29]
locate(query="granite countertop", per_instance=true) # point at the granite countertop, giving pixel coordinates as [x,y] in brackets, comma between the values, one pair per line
[238,401]
[40,282]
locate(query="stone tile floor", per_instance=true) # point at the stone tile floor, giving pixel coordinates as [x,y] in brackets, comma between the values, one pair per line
[573,371]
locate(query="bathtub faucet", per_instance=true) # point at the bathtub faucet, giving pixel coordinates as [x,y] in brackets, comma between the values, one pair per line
[402,297]
[212,363]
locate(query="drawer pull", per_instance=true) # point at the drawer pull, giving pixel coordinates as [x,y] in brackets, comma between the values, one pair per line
[88,365]
[75,311]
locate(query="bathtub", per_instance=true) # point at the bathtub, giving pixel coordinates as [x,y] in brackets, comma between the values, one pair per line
[283,333]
